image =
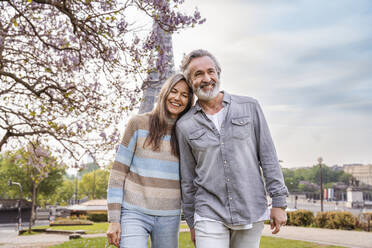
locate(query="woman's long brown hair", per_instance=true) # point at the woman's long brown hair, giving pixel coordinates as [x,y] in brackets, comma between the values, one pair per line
[159,116]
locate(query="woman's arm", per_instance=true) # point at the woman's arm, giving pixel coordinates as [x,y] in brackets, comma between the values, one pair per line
[118,174]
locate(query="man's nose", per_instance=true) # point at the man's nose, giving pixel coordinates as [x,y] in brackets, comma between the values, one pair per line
[207,78]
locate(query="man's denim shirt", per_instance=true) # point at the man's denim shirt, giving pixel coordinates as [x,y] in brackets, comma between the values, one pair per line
[220,172]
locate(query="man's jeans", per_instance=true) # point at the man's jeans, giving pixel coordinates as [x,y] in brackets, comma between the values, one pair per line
[215,234]
[136,227]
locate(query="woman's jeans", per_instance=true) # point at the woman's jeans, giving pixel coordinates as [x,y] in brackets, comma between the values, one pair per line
[136,227]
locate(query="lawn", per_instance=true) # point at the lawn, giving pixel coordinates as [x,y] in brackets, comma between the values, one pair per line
[266,242]
[99,227]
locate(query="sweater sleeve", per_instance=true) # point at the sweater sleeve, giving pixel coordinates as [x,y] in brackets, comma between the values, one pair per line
[120,170]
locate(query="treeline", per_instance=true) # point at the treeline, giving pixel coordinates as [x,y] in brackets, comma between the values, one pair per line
[53,186]
[308,179]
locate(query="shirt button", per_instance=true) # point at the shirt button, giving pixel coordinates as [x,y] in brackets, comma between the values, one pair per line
[230,198]
[228,180]
[225,161]
[222,143]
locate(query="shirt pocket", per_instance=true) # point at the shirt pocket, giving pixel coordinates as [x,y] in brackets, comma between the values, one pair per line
[199,139]
[241,127]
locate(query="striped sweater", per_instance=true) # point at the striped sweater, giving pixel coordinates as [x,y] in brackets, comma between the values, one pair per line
[142,179]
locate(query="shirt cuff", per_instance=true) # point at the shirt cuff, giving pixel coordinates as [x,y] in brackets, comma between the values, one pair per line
[190,222]
[279,201]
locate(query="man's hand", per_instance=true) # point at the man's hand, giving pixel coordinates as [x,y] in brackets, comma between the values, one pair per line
[113,234]
[278,218]
[192,233]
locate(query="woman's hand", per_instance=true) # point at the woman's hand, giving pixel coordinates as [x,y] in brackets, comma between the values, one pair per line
[113,234]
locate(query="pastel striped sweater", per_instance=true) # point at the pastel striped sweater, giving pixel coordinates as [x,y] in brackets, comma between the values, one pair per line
[142,179]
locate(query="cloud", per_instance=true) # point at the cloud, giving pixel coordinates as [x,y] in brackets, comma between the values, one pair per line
[309,64]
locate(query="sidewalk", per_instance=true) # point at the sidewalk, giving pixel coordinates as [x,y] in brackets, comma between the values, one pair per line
[12,240]
[354,239]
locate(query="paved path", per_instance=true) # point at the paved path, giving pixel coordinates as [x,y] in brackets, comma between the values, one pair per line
[12,240]
[354,239]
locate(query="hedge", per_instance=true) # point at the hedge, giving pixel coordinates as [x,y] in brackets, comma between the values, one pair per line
[364,221]
[68,222]
[300,218]
[97,217]
[336,220]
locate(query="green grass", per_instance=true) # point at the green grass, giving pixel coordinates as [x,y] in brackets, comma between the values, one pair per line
[185,242]
[184,226]
[100,227]
[90,242]
[27,233]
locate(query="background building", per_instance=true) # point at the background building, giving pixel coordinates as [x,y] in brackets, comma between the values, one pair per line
[363,173]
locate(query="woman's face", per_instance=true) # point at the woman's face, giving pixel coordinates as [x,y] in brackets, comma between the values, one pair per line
[177,99]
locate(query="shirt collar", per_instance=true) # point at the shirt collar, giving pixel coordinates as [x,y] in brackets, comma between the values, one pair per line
[226,101]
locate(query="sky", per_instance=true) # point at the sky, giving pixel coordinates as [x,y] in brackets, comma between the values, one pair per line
[308,63]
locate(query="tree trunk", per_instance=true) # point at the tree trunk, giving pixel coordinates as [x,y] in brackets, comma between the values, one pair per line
[34,188]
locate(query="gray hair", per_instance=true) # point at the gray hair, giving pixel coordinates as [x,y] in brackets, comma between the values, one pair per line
[197,54]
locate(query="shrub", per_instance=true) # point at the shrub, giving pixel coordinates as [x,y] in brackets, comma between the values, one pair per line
[97,217]
[83,217]
[336,220]
[320,219]
[300,218]
[364,221]
[70,221]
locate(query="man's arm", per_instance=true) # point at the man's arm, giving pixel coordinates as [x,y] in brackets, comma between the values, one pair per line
[187,176]
[268,159]
[271,170]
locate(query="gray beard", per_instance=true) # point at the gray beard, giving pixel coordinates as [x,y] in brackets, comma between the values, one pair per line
[206,96]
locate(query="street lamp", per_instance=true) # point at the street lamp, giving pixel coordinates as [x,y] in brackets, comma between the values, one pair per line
[19,225]
[320,160]
[77,168]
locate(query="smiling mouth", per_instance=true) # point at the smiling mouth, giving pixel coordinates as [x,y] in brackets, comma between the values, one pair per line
[212,83]
[175,104]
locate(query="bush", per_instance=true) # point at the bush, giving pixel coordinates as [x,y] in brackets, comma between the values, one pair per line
[364,221]
[321,219]
[97,217]
[336,220]
[70,221]
[300,218]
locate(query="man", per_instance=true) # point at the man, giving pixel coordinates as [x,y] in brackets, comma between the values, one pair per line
[226,148]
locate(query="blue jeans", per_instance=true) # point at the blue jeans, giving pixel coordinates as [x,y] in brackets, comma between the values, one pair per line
[136,227]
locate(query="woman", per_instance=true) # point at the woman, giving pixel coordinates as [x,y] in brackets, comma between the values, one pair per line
[143,195]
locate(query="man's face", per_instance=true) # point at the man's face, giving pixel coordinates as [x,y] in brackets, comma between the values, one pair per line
[204,78]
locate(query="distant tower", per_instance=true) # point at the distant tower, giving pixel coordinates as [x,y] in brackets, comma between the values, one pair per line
[151,86]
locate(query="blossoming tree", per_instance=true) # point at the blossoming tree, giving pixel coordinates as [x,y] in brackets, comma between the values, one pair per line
[70,69]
